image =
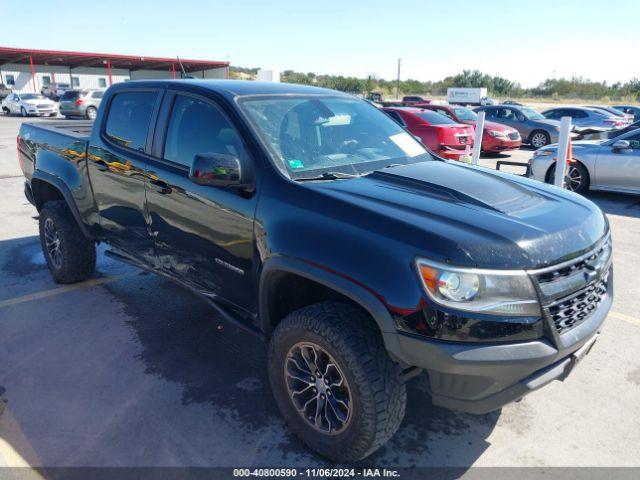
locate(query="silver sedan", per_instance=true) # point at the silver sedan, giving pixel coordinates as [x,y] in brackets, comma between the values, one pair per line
[612,165]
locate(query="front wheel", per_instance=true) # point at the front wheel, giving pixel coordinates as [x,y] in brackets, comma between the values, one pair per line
[334,382]
[576,178]
[70,256]
[539,139]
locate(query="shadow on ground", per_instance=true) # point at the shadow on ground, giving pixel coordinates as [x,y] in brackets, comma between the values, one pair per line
[224,367]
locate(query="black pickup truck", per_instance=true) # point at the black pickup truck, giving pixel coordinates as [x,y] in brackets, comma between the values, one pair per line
[312,219]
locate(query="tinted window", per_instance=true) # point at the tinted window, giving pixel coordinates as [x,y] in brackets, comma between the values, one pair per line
[102,82]
[396,116]
[46,80]
[129,118]
[97,94]
[11,80]
[70,95]
[75,81]
[634,141]
[553,114]
[434,118]
[199,127]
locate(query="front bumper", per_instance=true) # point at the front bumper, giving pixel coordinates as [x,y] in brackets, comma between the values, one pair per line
[494,144]
[479,378]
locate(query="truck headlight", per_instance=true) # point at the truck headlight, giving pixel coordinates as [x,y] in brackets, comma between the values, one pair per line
[498,292]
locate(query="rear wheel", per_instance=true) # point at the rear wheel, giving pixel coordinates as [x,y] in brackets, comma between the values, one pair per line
[334,382]
[539,138]
[91,113]
[70,256]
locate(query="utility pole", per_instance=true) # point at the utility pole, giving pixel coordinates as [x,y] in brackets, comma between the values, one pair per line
[398,80]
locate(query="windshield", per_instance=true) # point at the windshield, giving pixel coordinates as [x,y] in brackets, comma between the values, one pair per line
[32,96]
[465,114]
[532,114]
[313,135]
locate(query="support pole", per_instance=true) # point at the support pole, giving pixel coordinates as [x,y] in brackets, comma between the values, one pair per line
[109,72]
[398,80]
[477,138]
[173,71]
[563,145]
[228,71]
[33,74]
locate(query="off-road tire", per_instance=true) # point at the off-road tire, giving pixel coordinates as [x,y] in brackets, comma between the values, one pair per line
[78,252]
[378,395]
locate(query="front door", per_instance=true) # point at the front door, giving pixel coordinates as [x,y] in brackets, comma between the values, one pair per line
[620,169]
[116,163]
[203,234]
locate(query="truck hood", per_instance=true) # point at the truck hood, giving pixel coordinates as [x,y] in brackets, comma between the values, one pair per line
[472,216]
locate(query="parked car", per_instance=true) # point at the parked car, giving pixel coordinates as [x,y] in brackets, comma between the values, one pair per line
[27,104]
[622,131]
[613,111]
[4,91]
[313,220]
[512,102]
[55,91]
[631,110]
[612,164]
[375,97]
[411,100]
[439,133]
[81,103]
[534,128]
[495,136]
[586,118]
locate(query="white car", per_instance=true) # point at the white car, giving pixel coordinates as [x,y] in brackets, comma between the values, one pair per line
[27,104]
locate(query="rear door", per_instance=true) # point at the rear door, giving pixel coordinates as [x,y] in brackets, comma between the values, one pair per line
[116,163]
[203,234]
[620,169]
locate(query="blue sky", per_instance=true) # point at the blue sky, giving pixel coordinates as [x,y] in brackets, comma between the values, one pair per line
[526,41]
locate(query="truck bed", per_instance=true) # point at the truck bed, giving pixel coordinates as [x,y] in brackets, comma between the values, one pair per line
[80,129]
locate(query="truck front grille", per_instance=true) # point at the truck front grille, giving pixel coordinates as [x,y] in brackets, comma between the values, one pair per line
[567,313]
[573,290]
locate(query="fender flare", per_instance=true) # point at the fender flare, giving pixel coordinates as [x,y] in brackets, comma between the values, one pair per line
[62,187]
[355,292]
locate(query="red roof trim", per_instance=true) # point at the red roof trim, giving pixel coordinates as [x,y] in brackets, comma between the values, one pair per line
[61,57]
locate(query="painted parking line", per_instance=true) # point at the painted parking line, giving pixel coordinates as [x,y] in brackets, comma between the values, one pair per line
[625,318]
[64,289]
[113,278]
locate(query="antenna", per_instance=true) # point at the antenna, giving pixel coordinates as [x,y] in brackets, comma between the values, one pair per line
[184,73]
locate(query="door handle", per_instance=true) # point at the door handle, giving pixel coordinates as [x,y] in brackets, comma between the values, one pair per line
[162,187]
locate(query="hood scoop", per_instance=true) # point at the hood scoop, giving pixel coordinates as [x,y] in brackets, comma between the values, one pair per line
[461,184]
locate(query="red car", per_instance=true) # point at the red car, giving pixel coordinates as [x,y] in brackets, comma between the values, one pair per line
[495,137]
[440,134]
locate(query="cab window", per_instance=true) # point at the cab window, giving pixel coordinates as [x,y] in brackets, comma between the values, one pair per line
[197,126]
[129,118]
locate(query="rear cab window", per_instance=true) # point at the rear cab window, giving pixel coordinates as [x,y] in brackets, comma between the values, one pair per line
[129,118]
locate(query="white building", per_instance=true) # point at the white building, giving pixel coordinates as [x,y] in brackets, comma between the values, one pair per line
[27,70]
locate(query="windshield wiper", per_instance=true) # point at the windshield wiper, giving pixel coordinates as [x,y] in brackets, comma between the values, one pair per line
[328,176]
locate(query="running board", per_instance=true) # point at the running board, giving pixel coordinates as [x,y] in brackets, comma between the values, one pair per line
[226,314]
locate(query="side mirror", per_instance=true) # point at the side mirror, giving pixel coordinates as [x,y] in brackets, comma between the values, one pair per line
[216,170]
[621,145]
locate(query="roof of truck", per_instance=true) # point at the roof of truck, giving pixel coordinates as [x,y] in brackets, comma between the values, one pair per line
[240,87]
